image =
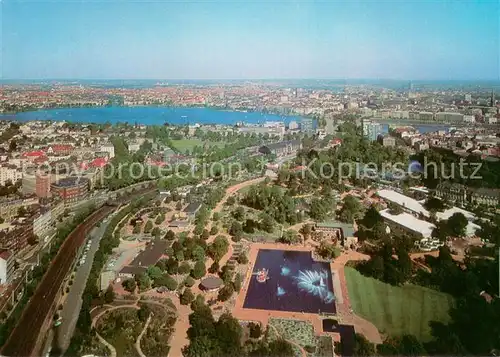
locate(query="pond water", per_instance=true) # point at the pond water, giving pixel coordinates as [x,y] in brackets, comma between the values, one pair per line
[295,282]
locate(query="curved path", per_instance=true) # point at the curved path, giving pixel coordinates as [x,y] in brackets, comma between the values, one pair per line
[99,315]
[139,338]
[233,189]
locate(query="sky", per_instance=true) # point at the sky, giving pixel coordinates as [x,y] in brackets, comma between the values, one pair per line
[250,39]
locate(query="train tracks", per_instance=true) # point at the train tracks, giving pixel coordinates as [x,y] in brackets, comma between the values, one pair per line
[24,337]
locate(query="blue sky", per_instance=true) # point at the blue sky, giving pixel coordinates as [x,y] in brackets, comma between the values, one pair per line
[394,39]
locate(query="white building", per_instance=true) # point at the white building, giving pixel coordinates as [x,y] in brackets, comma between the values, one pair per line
[293,125]
[41,224]
[416,207]
[410,223]
[406,202]
[110,149]
[10,173]
[6,266]
[133,147]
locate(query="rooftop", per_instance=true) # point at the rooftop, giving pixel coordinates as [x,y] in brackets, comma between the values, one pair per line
[71,181]
[193,207]
[404,201]
[211,282]
[347,228]
[410,222]
[151,254]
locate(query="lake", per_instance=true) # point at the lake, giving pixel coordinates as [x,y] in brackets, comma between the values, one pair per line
[149,115]
[295,283]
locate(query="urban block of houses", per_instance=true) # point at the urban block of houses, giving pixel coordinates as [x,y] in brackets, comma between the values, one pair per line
[462,195]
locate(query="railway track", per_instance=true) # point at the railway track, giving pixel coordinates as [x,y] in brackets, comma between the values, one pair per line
[23,339]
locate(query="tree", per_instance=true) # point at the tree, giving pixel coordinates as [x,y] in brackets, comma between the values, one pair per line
[229,332]
[198,253]
[214,268]
[275,348]
[327,250]
[172,265]
[226,274]
[214,230]
[148,227]
[154,272]
[109,295]
[160,218]
[129,285]
[238,280]
[242,258]
[371,217]
[184,268]
[319,209]
[143,313]
[363,347]
[255,329]
[457,224]
[143,281]
[225,292]
[199,270]
[350,210]
[205,234]
[236,229]
[290,237]
[187,297]
[156,232]
[306,231]
[434,204]
[137,228]
[239,213]
[189,282]
[441,231]
[218,248]
[230,201]
[170,235]
[267,223]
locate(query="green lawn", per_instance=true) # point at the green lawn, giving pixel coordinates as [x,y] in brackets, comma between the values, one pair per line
[189,144]
[397,310]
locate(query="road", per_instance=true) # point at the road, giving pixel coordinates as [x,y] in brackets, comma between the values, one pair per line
[73,302]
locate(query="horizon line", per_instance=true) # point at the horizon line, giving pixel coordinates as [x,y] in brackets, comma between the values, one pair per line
[252,79]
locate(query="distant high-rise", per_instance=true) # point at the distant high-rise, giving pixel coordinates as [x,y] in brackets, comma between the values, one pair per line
[492,100]
[371,129]
[307,125]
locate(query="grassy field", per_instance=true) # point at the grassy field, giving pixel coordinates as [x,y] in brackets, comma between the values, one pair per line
[189,144]
[397,310]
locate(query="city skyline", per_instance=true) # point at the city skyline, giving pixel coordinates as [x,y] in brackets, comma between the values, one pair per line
[237,40]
